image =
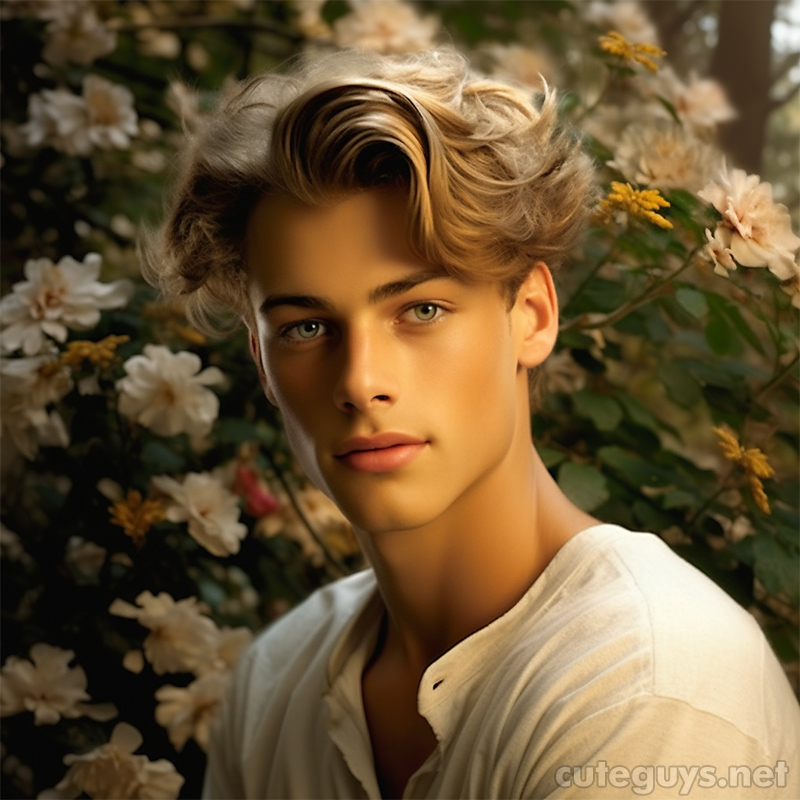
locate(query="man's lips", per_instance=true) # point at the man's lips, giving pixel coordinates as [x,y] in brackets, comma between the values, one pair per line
[384,452]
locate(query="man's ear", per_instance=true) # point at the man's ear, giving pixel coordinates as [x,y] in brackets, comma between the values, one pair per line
[536,314]
[255,352]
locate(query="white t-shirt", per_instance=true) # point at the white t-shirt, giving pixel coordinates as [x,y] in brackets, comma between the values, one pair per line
[622,669]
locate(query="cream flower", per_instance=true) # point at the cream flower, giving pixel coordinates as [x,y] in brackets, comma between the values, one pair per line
[111,117]
[103,116]
[718,249]
[513,62]
[211,510]
[84,559]
[181,638]
[166,392]
[665,155]
[48,687]
[78,36]
[626,16]
[309,19]
[112,770]
[56,297]
[321,513]
[51,115]
[385,26]
[760,229]
[28,386]
[700,103]
[186,713]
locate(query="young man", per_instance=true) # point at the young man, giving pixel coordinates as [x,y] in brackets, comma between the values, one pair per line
[386,229]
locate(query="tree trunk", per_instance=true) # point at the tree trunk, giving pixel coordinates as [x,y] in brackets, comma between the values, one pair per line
[741,63]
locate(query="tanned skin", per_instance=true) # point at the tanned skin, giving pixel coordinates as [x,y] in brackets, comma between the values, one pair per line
[404,395]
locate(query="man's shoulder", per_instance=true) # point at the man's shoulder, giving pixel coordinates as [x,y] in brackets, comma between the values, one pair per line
[638,620]
[316,621]
[297,645]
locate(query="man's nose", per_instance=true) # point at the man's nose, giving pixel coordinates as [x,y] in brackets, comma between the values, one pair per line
[367,372]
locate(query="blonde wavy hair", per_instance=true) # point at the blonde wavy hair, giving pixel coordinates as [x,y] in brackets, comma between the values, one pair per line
[494,184]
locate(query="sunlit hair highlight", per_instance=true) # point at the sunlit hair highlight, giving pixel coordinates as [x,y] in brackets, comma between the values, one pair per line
[494,184]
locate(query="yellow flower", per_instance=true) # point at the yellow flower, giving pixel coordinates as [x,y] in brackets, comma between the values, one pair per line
[617,45]
[136,516]
[636,202]
[101,353]
[752,460]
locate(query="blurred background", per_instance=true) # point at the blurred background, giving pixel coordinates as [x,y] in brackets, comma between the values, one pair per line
[142,545]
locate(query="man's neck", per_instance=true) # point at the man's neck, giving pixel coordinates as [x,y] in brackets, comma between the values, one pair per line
[444,581]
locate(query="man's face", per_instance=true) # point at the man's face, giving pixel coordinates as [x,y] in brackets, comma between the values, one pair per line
[399,386]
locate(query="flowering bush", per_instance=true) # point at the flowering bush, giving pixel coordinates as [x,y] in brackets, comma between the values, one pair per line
[153,517]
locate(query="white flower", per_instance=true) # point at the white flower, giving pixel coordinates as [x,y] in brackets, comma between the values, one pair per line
[28,386]
[187,713]
[48,687]
[760,229]
[211,510]
[718,250]
[665,155]
[111,118]
[56,297]
[182,639]
[624,16]
[103,116]
[77,36]
[513,62]
[385,26]
[53,116]
[84,559]
[166,392]
[309,19]
[112,770]
[700,103]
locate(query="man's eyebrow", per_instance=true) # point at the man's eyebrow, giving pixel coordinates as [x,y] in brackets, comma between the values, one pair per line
[377,295]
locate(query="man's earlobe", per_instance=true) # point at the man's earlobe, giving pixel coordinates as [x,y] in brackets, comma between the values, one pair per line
[536,308]
[255,352]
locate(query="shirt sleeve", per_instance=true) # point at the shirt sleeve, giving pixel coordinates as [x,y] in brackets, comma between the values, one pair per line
[223,777]
[661,748]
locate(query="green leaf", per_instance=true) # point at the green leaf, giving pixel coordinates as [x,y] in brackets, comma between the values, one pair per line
[605,412]
[680,383]
[693,301]
[639,413]
[583,485]
[637,470]
[549,456]
[776,568]
[159,458]
[678,498]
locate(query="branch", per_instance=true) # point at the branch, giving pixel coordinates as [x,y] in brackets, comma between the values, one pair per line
[591,321]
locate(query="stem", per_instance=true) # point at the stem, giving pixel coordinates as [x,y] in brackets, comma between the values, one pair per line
[590,321]
[596,102]
[303,518]
[602,261]
[708,503]
[777,378]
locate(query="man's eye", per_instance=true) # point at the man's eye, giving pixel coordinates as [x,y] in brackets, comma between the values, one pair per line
[426,312]
[307,329]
